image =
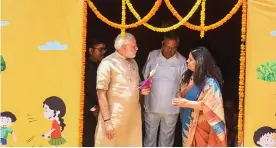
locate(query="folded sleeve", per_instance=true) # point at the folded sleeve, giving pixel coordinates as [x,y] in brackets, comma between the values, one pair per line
[103,75]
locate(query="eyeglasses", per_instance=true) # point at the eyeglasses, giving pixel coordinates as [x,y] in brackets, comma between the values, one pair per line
[133,47]
[102,49]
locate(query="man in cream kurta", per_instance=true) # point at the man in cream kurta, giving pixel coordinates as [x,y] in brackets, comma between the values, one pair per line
[117,76]
[159,110]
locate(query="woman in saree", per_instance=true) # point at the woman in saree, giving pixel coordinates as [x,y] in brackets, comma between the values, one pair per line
[200,99]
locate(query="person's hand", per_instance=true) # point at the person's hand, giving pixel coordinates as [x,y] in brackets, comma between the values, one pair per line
[145,91]
[180,102]
[14,138]
[46,136]
[96,114]
[109,130]
[178,95]
[95,111]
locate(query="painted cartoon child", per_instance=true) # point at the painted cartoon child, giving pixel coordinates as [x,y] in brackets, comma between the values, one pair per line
[264,137]
[54,110]
[6,120]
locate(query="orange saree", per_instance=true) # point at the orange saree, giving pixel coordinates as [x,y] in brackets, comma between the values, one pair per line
[206,127]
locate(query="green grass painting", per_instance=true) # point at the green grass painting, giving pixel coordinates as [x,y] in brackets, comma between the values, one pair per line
[267,71]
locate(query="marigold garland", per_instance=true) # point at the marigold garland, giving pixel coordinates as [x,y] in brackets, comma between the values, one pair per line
[123,31]
[202,28]
[173,27]
[156,6]
[242,74]
[202,18]
[209,27]
[82,72]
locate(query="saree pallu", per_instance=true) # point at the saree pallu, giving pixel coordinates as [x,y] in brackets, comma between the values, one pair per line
[205,127]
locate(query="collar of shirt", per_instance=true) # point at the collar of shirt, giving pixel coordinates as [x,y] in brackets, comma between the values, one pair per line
[89,62]
[119,55]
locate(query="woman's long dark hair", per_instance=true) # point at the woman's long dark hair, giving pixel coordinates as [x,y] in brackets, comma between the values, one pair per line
[57,104]
[205,66]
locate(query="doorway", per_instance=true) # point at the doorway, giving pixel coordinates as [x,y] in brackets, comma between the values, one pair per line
[223,42]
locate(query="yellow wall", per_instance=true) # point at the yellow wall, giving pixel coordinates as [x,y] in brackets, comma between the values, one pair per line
[260,99]
[32,75]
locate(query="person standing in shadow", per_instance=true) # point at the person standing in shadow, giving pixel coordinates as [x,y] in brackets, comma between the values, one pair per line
[95,50]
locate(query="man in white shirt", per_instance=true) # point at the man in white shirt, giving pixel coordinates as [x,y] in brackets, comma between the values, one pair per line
[158,104]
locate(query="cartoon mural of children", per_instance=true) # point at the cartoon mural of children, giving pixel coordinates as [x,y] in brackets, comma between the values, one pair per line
[6,120]
[54,110]
[264,137]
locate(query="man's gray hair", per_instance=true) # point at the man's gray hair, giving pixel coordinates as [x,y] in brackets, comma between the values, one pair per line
[119,42]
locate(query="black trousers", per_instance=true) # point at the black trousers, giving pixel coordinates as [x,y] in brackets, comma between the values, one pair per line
[89,126]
